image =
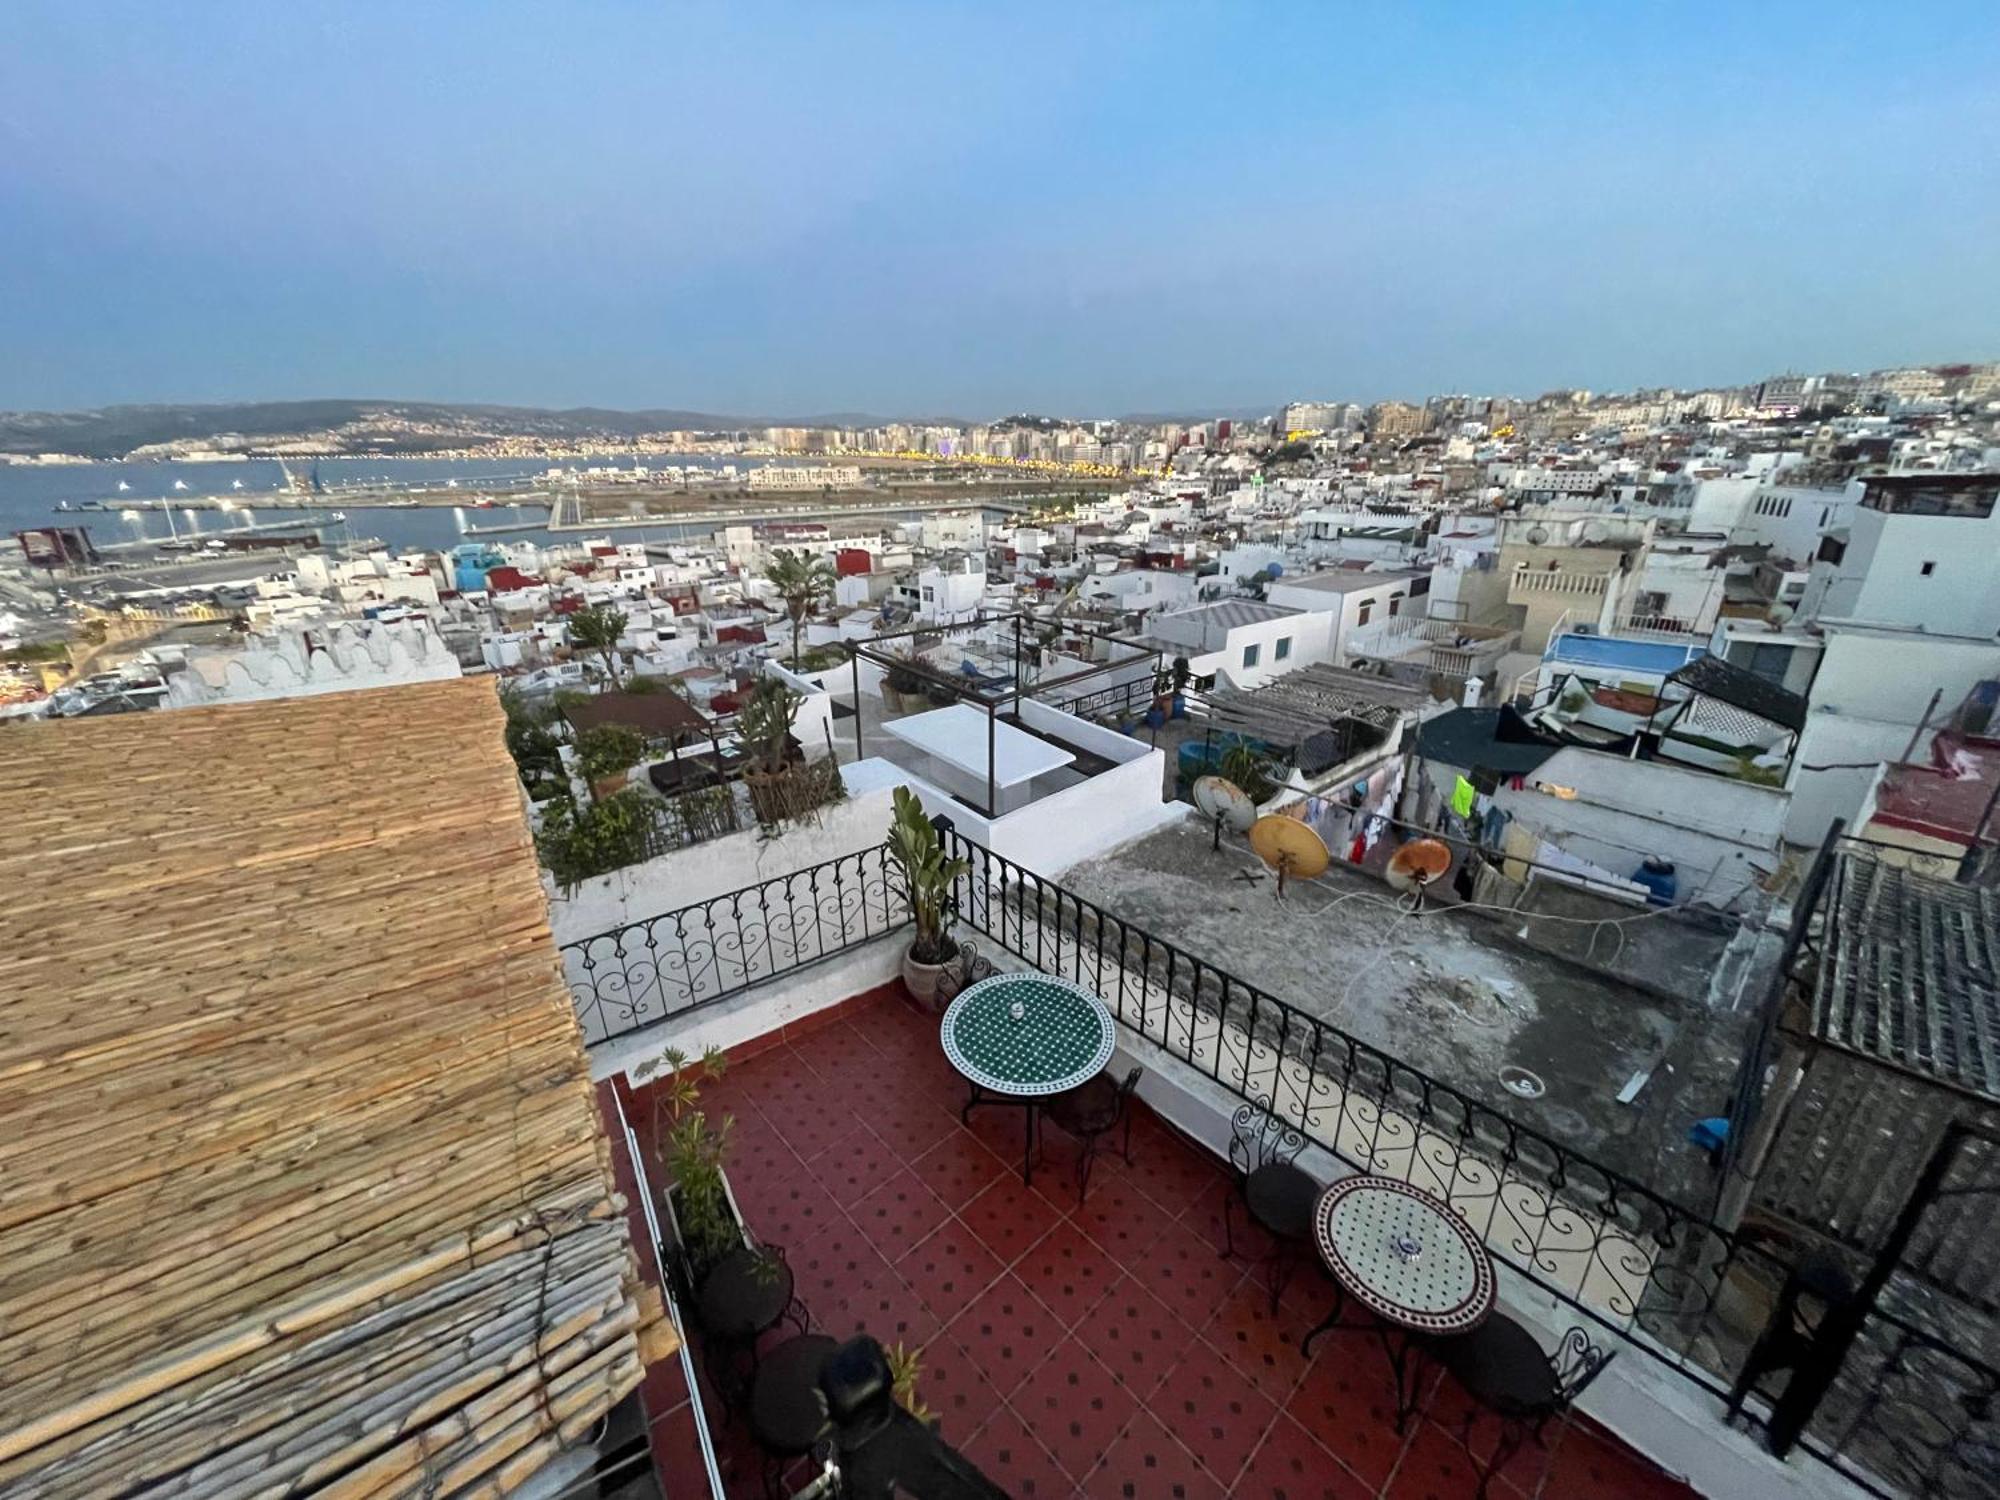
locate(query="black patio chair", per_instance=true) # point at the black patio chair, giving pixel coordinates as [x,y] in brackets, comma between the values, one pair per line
[1277,1193]
[788,1414]
[966,969]
[1091,1111]
[1504,1369]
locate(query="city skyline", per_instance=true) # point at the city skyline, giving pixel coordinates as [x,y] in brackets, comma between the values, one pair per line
[778,212]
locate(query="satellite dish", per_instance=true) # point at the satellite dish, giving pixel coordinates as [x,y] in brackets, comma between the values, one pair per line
[1289,847]
[1223,801]
[1537,535]
[1417,864]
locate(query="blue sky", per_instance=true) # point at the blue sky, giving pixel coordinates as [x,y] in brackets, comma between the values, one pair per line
[949,208]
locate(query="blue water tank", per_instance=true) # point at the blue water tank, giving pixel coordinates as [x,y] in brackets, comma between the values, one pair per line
[1657,876]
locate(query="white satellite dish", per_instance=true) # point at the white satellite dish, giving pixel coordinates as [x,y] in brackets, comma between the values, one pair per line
[1537,536]
[1222,801]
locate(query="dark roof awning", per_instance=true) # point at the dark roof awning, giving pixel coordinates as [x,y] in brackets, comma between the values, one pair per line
[1712,677]
[662,715]
[1486,739]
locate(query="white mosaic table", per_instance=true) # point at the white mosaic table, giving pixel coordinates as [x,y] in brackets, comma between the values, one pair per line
[1018,1038]
[1409,1260]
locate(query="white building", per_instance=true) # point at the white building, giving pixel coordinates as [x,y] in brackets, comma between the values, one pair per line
[805,477]
[1242,642]
[304,661]
[1906,603]
[1352,599]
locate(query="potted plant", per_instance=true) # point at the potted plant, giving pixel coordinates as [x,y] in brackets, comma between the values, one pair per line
[927,880]
[605,754]
[901,682]
[690,1151]
[764,726]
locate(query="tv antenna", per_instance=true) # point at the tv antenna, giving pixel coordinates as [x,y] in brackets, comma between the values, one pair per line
[1289,847]
[1222,802]
[1414,866]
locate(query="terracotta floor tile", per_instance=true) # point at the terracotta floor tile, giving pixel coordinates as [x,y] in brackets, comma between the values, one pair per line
[1123,1220]
[1075,1406]
[885,1307]
[899,1213]
[1068,1272]
[1008,1217]
[949,1269]
[1479,1431]
[832,1262]
[1181,1269]
[840,1053]
[1008,1454]
[1262,1345]
[1293,1465]
[912,1124]
[1002,1129]
[1585,1466]
[809,1126]
[1174,1175]
[1148,1464]
[1008,1332]
[1435,1467]
[957,1168]
[1136,1336]
[1215,1410]
[788,1212]
[1348,1402]
[951,1383]
[855,1165]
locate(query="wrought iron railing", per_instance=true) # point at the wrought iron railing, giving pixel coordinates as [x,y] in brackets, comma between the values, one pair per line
[682,960]
[1665,1280]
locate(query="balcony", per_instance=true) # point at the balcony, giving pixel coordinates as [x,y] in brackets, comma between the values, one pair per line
[901,1221]
[1096,1348]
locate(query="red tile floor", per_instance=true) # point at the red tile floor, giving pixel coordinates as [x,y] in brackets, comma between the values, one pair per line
[1096,1349]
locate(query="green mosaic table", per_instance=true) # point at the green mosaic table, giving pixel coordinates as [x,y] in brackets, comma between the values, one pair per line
[1018,1038]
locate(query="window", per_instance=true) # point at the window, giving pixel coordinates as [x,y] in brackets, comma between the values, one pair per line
[1362,617]
[1284,648]
[1249,656]
[1929,568]
[1831,550]
[1769,661]
[1395,604]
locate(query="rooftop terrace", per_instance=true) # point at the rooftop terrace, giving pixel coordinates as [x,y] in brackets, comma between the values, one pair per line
[1099,1348]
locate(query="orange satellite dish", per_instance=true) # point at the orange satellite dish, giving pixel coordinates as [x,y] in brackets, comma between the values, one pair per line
[1289,847]
[1417,864]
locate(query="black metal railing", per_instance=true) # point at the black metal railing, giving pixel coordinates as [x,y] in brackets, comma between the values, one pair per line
[679,961]
[1663,1279]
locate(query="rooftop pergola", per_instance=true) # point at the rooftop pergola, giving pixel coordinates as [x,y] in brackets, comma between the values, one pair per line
[995,691]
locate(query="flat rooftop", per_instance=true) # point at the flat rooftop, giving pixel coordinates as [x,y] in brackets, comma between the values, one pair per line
[1350,580]
[1460,995]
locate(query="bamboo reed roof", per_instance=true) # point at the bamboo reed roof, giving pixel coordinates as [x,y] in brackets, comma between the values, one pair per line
[302,1184]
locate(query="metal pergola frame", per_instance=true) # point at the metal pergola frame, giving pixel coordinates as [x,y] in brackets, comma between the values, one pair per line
[994,697]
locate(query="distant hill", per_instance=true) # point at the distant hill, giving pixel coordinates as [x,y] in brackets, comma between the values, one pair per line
[350,425]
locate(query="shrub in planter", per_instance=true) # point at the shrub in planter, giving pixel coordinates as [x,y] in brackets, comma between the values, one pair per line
[690,1151]
[927,880]
[577,843]
[604,755]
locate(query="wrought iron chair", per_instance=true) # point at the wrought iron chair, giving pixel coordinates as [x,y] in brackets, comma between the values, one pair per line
[1091,1111]
[788,1414]
[1504,1369]
[1278,1194]
[964,971]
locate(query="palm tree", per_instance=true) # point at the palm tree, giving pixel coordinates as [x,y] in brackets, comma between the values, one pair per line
[597,628]
[804,583]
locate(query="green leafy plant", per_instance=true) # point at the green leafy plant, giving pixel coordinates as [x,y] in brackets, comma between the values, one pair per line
[597,629]
[536,746]
[607,750]
[927,877]
[576,844]
[905,1366]
[764,723]
[690,1150]
[1245,767]
[803,584]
